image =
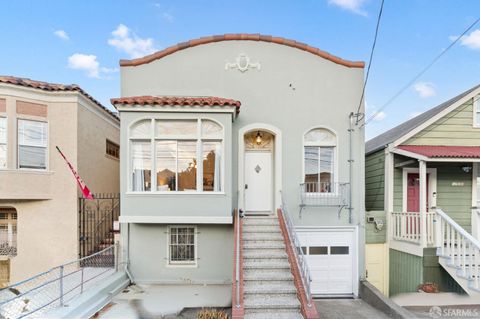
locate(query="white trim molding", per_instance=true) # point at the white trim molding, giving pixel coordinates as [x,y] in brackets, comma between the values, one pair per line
[277,161]
[176,219]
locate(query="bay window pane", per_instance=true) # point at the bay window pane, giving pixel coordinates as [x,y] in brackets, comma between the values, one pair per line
[141,166]
[210,129]
[187,165]
[32,157]
[166,155]
[167,128]
[3,130]
[32,144]
[32,133]
[141,129]
[3,156]
[212,152]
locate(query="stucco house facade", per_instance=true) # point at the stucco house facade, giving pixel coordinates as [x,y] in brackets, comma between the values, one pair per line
[422,182]
[38,193]
[250,124]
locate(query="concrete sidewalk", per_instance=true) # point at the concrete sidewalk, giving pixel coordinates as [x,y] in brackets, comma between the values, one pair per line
[347,309]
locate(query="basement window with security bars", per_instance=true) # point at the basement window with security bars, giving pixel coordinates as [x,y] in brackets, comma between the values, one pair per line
[181,243]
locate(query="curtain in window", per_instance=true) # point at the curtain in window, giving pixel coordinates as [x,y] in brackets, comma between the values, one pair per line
[141,166]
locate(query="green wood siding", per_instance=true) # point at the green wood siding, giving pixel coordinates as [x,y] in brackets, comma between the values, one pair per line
[454,129]
[374,181]
[456,201]
[372,235]
[406,272]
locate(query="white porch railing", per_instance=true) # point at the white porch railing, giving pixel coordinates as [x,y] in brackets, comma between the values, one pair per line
[406,227]
[461,248]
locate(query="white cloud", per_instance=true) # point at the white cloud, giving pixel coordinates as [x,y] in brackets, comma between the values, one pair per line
[125,40]
[168,17]
[379,116]
[88,63]
[354,6]
[425,89]
[471,41]
[61,34]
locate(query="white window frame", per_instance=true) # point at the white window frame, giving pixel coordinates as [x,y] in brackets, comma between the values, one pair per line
[183,264]
[6,142]
[334,145]
[47,147]
[476,114]
[199,152]
[12,235]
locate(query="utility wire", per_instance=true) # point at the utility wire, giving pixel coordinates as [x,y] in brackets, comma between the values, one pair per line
[416,77]
[370,60]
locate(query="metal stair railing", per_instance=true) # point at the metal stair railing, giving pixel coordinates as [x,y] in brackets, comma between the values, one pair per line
[299,254]
[460,247]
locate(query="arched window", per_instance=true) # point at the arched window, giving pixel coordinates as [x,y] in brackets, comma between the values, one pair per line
[319,161]
[186,155]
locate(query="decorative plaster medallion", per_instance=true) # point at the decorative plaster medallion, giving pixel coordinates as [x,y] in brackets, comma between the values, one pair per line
[242,63]
[258,168]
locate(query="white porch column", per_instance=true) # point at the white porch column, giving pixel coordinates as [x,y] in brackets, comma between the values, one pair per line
[388,196]
[422,170]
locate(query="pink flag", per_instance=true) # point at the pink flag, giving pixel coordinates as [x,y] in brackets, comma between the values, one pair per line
[86,192]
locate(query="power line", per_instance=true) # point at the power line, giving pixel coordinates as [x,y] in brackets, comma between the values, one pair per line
[416,77]
[371,58]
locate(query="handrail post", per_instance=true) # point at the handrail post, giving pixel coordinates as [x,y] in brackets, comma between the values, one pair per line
[61,285]
[237,261]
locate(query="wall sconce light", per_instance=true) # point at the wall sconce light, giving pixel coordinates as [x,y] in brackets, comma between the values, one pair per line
[258,138]
[466,169]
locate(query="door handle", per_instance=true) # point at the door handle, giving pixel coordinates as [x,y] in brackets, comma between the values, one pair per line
[246,186]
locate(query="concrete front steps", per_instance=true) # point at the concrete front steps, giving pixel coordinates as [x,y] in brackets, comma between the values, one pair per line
[269,289]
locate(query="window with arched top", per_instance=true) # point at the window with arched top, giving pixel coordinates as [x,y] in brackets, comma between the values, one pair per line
[183,154]
[319,160]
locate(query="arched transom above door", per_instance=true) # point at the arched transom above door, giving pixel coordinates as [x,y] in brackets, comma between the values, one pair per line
[258,140]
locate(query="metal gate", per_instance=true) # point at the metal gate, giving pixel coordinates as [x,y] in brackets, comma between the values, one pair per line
[96,220]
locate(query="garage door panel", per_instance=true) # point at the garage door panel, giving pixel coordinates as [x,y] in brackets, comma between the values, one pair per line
[330,259]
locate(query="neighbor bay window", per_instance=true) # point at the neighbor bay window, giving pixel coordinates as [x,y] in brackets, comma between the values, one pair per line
[319,161]
[186,155]
[3,142]
[32,144]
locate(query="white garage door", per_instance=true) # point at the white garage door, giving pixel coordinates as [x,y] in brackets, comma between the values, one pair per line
[330,256]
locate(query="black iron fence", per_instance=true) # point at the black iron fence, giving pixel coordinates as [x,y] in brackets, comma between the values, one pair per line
[96,220]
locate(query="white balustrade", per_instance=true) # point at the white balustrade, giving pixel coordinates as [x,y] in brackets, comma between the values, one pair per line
[406,227]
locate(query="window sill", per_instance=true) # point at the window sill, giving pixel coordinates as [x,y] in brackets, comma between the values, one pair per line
[173,193]
[169,265]
[27,171]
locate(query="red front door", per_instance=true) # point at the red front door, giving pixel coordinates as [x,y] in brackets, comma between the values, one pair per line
[413,192]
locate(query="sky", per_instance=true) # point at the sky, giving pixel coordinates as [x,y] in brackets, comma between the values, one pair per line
[82,42]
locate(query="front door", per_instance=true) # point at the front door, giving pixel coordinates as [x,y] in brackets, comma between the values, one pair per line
[258,182]
[413,192]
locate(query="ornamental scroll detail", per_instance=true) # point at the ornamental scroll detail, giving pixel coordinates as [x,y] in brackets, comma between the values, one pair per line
[242,63]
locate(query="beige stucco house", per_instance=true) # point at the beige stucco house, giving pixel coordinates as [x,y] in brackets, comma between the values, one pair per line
[38,193]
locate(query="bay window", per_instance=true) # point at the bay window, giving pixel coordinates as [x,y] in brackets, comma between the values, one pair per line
[32,144]
[184,154]
[3,142]
[319,161]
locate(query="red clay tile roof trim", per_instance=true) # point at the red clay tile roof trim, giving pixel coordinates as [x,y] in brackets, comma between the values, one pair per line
[176,101]
[237,37]
[443,151]
[45,86]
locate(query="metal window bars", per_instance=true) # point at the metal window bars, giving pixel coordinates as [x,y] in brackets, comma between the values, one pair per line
[33,297]
[299,254]
[324,194]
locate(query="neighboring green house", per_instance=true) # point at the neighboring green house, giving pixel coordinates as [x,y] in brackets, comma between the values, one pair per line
[423,174]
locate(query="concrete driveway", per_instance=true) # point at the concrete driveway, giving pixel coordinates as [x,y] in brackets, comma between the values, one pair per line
[347,309]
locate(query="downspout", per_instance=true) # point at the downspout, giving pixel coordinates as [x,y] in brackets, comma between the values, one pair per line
[127,261]
[350,166]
